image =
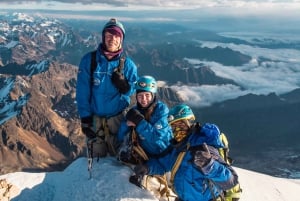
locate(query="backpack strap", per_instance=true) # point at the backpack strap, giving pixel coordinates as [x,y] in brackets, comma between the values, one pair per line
[150,110]
[93,64]
[177,164]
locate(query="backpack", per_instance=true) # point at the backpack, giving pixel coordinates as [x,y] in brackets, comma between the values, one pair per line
[215,137]
[224,151]
[234,193]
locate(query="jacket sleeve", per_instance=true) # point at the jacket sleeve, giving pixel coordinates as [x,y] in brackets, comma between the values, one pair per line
[156,134]
[130,73]
[161,165]
[83,87]
[219,172]
[123,130]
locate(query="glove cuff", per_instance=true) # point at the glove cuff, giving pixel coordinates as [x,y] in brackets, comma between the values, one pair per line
[125,87]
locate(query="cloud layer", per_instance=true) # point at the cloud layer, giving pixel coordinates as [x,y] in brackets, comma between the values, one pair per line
[234,6]
[270,71]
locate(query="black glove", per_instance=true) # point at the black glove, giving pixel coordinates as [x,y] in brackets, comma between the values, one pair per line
[120,82]
[86,127]
[201,156]
[137,178]
[134,179]
[141,170]
[135,116]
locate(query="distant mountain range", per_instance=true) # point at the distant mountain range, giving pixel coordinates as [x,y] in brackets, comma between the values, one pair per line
[263,131]
[38,118]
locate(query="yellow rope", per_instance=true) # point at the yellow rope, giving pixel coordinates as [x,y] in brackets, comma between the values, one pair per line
[136,147]
[139,150]
[177,164]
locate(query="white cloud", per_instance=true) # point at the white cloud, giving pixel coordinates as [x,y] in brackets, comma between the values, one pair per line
[278,72]
[110,182]
[237,7]
[205,95]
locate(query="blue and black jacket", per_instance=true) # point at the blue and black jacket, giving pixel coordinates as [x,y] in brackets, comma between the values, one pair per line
[101,97]
[191,183]
[154,134]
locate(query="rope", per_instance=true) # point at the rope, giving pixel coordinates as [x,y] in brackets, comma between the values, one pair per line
[137,148]
[7,187]
[163,188]
[108,141]
[177,164]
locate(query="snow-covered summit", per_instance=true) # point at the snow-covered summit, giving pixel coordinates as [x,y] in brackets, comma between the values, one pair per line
[12,25]
[110,183]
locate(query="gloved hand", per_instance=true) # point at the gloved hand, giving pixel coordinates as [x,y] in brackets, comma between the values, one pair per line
[134,179]
[86,127]
[120,82]
[140,171]
[201,156]
[135,116]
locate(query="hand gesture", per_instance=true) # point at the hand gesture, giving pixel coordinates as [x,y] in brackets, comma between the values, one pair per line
[134,116]
[120,82]
[201,156]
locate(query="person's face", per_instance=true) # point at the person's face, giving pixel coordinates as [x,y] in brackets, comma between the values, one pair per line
[112,42]
[144,98]
[180,130]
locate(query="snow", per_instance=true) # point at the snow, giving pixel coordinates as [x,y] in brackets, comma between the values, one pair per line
[37,68]
[109,182]
[10,108]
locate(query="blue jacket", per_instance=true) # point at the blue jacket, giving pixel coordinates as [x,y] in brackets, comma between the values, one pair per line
[102,98]
[154,136]
[191,184]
